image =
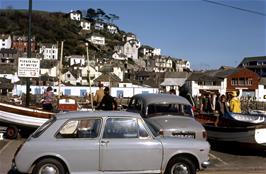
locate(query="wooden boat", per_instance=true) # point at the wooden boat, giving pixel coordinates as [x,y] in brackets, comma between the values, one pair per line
[21,120]
[245,129]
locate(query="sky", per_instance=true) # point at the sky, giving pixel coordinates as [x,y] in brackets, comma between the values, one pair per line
[207,34]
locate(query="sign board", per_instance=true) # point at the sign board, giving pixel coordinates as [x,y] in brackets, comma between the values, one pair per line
[28,67]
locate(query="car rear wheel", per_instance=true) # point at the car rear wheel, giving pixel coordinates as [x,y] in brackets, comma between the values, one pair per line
[49,166]
[181,165]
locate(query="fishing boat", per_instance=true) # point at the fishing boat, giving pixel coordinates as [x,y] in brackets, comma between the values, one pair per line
[245,129]
[23,120]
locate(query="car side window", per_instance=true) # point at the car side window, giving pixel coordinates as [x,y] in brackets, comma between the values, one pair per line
[142,130]
[80,128]
[121,128]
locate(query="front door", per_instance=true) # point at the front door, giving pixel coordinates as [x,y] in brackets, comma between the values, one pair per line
[126,146]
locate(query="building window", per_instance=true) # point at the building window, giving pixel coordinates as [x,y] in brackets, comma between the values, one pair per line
[234,81]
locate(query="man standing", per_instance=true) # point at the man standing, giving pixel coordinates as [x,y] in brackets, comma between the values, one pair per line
[99,94]
[235,105]
[108,102]
[48,99]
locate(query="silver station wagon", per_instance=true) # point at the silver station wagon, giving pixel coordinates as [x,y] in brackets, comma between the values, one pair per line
[171,114]
[107,142]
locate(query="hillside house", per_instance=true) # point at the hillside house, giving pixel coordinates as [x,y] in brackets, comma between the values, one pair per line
[49,68]
[5,41]
[49,51]
[97,39]
[8,57]
[119,56]
[20,43]
[98,25]
[130,49]
[93,75]
[148,51]
[112,29]
[163,64]
[75,15]
[255,64]
[76,60]
[85,25]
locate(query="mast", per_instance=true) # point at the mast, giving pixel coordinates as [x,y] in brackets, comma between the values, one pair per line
[88,64]
[60,69]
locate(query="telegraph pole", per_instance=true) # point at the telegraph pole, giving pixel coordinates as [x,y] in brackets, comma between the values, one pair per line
[28,53]
[88,64]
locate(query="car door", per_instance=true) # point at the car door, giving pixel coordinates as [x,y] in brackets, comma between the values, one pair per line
[78,144]
[127,146]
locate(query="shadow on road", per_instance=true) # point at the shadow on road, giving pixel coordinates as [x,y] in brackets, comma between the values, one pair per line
[238,148]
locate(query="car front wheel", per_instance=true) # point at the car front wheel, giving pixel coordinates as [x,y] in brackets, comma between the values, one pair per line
[49,166]
[181,165]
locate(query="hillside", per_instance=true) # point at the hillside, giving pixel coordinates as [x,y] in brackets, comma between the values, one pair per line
[52,28]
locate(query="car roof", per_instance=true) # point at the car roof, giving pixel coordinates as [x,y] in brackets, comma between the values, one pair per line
[86,114]
[151,98]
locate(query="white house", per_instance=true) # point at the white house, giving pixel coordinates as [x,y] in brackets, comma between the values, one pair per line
[93,74]
[86,25]
[51,72]
[5,41]
[76,60]
[130,49]
[97,39]
[148,51]
[75,15]
[112,29]
[119,56]
[99,26]
[49,51]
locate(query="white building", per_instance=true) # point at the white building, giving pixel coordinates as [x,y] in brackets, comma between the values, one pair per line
[99,26]
[130,49]
[86,25]
[5,41]
[97,39]
[76,60]
[75,15]
[49,51]
[112,29]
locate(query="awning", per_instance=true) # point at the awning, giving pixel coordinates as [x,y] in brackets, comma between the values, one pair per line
[173,82]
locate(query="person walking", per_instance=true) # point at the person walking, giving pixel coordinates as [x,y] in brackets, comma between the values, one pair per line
[99,94]
[222,108]
[235,105]
[48,99]
[108,102]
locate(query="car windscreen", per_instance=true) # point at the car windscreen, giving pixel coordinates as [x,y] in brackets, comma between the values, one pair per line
[43,127]
[154,110]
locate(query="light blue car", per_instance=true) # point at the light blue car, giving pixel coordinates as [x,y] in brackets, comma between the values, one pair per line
[107,142]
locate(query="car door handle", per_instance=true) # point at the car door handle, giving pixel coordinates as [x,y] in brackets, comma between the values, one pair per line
[104,142]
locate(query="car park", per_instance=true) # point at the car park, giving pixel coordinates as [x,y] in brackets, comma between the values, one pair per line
[107,142]
[171,114]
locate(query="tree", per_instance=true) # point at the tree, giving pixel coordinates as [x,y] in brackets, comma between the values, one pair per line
[91,14]
[113,17]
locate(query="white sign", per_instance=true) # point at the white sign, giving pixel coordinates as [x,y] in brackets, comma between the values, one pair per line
[28,67]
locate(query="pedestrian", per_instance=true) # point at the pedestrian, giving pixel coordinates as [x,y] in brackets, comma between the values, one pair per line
[108,102]
[99,94]
[235,105]
[48,99]
[222,108]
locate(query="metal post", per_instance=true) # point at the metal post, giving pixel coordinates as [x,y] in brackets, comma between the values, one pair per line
[60,69]
[88,64]
[28,53]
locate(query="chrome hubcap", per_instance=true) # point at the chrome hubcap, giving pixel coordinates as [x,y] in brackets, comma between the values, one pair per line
[179,168]
[49,169]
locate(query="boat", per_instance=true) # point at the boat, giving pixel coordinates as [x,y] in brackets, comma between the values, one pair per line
[23,120]
[245,129]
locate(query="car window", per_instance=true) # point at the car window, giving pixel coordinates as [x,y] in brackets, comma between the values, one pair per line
[154,130]
[80,128]
[42,128]
[124,128]
[142,130]
[173,109]
[134,104]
